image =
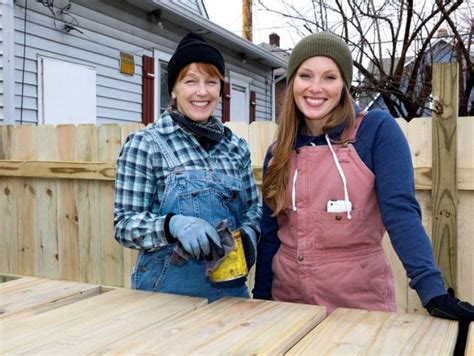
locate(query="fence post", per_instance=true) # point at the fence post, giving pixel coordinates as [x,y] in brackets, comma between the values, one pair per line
[444,192]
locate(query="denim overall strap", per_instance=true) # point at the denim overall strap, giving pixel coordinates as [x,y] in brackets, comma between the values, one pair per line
[165,150]
[201,193]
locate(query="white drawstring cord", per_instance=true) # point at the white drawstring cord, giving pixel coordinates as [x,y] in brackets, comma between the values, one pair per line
[293,190]
[343,177]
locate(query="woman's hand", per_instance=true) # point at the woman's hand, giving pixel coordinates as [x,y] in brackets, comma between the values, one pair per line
[195,235]
[447,306]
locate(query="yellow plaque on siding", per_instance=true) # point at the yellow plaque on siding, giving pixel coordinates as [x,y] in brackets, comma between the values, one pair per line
[127,63]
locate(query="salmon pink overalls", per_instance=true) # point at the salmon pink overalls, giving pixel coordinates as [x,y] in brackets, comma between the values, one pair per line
[334,259]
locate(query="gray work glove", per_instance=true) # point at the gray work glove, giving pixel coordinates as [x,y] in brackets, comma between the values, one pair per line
[196,235]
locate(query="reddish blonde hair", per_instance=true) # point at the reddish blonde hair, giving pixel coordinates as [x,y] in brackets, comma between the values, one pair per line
[205,68]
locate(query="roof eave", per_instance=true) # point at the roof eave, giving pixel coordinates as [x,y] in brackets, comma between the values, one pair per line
[218,34]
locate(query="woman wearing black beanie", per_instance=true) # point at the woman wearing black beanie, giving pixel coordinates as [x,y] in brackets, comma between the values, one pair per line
[184,183]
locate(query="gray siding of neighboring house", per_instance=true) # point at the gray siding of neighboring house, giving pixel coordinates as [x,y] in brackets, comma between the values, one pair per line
[1,65]
[102,38]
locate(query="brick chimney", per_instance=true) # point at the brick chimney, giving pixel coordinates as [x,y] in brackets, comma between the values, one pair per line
[274,39]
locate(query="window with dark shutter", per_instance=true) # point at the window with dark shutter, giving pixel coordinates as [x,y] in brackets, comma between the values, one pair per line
[252,106]
[226,102]
[148,92]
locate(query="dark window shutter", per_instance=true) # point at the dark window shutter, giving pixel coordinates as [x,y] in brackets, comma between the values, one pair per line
[226,102]
[148,89]
[252,106]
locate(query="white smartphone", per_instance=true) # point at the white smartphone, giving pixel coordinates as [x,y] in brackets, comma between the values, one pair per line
[338,206]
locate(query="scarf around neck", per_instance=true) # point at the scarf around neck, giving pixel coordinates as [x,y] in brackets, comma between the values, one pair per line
[212,129]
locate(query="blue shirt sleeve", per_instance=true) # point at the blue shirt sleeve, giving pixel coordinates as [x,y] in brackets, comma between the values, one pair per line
[385,150]
[135,186]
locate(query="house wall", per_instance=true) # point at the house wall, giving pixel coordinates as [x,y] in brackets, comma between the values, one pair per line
[1,64]
[7,59]
[105,30]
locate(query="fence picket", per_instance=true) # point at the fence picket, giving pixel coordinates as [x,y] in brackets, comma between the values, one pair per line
[63,228]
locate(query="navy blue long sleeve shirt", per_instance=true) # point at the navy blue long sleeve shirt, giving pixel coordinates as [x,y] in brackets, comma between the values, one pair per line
[383,148]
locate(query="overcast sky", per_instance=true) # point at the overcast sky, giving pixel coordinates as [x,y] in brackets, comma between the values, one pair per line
[228,14]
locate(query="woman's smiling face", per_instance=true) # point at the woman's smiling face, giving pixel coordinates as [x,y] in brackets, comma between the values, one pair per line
[197,94]
[317,90]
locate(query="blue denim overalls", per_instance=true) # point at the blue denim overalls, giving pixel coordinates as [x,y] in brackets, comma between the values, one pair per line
[202,193]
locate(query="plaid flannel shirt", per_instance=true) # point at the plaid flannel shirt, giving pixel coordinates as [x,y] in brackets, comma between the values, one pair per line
[141,171]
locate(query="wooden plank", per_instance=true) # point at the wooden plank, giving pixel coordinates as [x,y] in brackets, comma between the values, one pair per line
[465,256]
[46,242]
[67,218]
[239,128]
[470,341]
[111,252]
[228,326]
[58,169]
[399,273]
[419,138]
[24,149]
[361,332]
[11,283]
[105,171]
[129,255]
[9,197]
[400,279]
[19,296]
[261,135]
[444,192]
[88,216]
[93,323]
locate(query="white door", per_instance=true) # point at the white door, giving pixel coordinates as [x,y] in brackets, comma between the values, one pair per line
[238,104]
[239,97]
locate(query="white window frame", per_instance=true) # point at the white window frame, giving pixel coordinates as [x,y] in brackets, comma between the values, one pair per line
[242,81]
[164,57]
[40,103]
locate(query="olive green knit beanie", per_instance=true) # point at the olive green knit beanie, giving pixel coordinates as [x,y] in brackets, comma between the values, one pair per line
[322,44]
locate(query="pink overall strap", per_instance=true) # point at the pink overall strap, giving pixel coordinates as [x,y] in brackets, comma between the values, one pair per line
[351,137]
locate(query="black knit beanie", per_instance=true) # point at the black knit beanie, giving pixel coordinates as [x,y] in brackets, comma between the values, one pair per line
[322,44]
[192,49]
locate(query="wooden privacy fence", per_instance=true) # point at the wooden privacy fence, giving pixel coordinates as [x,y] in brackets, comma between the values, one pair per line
[57,194]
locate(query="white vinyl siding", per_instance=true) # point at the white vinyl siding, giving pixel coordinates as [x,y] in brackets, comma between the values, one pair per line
[106,28]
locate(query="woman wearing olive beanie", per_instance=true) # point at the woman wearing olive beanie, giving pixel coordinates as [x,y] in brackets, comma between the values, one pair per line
[335,179]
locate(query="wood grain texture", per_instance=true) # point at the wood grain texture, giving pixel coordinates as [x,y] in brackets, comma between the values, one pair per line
[360,332]
[23,295]
[88,203]
[465,243]
[129,255]
[9,197]
[58,169]
[239,128]
[110,141]
[67,213]
[46,241]
[470,341]
[444,192]
[89,325]
[228,326]
[261,135]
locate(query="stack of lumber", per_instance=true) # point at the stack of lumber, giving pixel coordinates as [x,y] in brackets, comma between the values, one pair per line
[61,317]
